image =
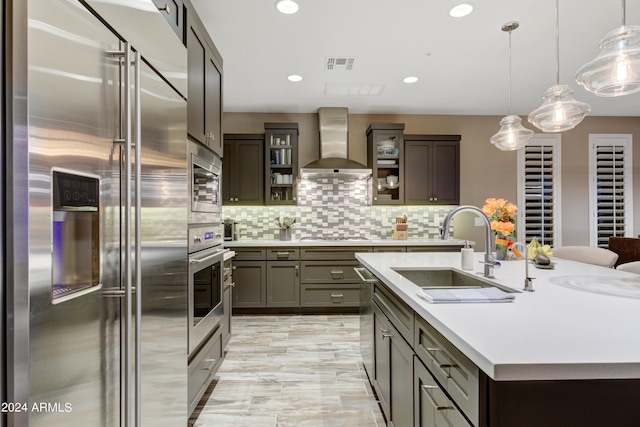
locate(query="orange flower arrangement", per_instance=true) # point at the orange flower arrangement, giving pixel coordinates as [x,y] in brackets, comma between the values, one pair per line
[502,215]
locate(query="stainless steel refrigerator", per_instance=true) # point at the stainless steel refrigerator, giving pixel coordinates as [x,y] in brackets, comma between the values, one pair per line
[107,216]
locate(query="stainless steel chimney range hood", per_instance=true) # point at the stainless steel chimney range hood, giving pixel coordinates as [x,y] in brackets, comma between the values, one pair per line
[334,149]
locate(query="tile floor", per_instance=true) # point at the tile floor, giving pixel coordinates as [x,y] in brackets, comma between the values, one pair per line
[291,371]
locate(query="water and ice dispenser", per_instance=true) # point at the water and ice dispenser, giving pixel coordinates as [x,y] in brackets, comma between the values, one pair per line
[75,235]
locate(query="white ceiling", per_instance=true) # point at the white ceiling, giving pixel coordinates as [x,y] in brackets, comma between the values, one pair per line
[462,63]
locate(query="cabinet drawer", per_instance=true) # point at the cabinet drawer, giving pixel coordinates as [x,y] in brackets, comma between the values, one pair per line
[336,253]
[328,272]
[455,372]
[283,254]
[389,249]
[432,407]
[330,296]
[438,248]
[398,312]
[250,254]
[202,368]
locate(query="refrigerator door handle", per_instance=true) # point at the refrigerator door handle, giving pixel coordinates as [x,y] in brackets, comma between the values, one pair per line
[138,241]
[126,372]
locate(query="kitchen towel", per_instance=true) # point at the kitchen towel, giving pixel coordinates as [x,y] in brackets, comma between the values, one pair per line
[451,295]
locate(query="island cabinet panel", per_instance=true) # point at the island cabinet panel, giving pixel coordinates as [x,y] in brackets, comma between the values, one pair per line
[398,312]
[393,369]
[584,403]
[459,377]
[432,406]
[283,284]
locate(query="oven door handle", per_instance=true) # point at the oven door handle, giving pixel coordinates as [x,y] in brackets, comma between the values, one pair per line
[207,258]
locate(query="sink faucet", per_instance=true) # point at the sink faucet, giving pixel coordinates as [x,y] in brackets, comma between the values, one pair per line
[489,261]
[528,281]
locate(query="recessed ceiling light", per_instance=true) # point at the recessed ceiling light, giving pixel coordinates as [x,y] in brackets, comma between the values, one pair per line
[288,7]
[294,78]
[460,10]
[411,79]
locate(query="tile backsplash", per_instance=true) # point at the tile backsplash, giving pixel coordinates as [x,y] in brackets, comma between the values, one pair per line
[336,208]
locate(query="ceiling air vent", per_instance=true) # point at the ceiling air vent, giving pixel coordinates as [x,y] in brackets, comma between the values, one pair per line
[339,63]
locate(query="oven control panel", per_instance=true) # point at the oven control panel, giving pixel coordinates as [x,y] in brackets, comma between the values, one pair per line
[203,236]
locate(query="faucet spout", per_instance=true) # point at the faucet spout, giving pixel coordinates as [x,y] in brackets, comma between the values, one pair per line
[489,261]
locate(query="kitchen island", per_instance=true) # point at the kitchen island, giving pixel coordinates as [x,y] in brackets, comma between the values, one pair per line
[567,354]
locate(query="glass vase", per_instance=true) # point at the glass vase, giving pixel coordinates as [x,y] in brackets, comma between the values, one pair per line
[501,247]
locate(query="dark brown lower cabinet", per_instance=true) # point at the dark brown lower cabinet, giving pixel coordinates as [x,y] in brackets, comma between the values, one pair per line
[393,372]
[432,407]
[251,284]
[283,284]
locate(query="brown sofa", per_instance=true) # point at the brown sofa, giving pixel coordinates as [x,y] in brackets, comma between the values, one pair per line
[627,248]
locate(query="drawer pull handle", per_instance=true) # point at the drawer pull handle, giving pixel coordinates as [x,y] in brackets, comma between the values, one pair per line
[282,254]
[444,408]
[165,9]
[448,365]
[385,333]
[210,367]
[433,349]
[430,387]
[337,296]
[337,274]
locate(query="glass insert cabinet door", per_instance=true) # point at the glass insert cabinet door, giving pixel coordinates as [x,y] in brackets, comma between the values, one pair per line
[385,157]
[281,171]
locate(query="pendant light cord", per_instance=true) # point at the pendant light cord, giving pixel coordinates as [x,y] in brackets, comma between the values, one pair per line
[624,13]
[558,42]
[510,71]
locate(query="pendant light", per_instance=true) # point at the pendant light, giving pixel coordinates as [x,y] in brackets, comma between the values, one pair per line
[559,111]
[512,135]
[616,69]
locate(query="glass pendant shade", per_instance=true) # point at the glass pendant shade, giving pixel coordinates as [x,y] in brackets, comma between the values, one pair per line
[559,111]
[512,135]
[616,69]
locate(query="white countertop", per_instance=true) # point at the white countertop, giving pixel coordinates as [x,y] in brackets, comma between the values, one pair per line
[556,332]
[373,242]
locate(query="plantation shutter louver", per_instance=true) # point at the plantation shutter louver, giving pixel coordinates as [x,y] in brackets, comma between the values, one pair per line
[539,190]
[610,188]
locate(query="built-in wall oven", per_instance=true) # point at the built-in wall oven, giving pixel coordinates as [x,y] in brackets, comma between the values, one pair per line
[206,280]
[206,253]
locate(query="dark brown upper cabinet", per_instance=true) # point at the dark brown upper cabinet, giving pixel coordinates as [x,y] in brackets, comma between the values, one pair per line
[243,169]
[432,169]
[173,11]
[204,101]
[385,157]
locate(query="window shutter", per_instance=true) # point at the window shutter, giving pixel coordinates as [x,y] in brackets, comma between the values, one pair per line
[610,192]
[539,190]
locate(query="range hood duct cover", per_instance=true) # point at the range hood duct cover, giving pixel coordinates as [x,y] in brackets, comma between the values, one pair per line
[334,148]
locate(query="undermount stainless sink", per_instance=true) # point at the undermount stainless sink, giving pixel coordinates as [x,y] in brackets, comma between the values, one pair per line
[446,278]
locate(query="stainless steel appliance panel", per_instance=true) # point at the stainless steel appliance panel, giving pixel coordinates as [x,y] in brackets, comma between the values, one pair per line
[164,201]
[77,122]
[206,305]
[205,186]
[74,355]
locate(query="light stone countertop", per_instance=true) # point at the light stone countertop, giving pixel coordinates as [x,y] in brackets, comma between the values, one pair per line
[373,242]
[560,331]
